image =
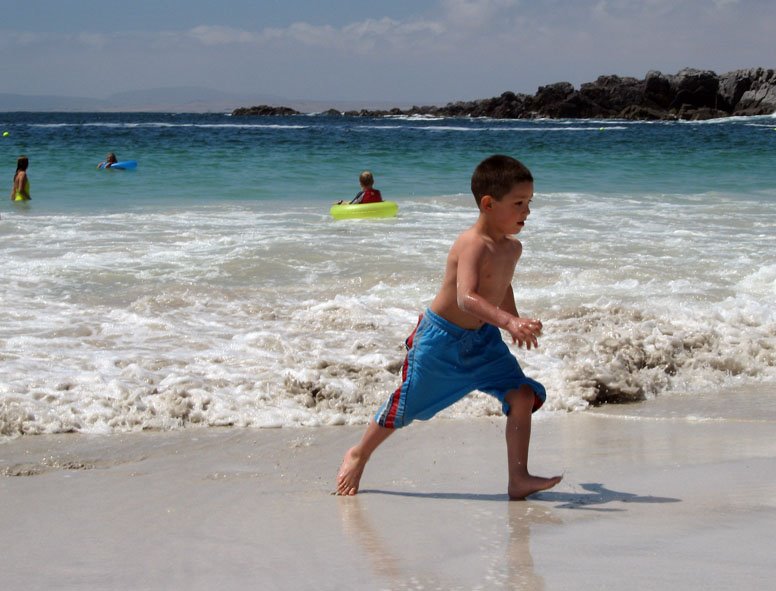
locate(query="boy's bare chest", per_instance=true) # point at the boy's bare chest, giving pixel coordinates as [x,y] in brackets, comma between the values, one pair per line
[498,267]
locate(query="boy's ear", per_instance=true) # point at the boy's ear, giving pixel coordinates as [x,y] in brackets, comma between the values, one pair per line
[486,202]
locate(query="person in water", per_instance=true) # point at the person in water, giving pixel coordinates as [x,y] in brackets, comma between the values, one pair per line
[21,182]
[367,194]
[457,347]
[110,160]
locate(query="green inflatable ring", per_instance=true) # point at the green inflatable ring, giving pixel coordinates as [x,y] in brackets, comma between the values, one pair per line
[381,209]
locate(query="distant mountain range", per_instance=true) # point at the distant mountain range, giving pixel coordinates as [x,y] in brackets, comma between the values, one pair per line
[184,99]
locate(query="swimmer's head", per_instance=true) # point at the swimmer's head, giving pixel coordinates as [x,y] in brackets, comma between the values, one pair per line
[366,179]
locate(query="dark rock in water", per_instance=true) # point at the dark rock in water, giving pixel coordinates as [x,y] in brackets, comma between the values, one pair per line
[610,95]
[689,94]
[657,90]
[264,110]
[636,113]
[701,114]
[759,97]
[695,89]
[550,98]
[733,85]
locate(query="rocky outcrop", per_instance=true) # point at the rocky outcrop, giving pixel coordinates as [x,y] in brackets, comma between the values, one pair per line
[265,110]
[752,92]
[688,94]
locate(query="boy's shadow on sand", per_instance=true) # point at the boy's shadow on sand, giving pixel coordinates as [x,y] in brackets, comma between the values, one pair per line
[597,494]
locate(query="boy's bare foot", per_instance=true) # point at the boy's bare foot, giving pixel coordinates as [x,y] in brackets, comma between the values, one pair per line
[350,472]
[520,488]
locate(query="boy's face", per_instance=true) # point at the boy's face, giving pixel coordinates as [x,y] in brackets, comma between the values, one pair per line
[510,212]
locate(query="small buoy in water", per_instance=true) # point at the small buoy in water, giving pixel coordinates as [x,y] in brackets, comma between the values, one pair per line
[6,134]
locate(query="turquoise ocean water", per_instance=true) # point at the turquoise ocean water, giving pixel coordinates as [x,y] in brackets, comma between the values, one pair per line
[211,287]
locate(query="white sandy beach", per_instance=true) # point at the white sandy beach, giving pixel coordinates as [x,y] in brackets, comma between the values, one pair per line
[653,498]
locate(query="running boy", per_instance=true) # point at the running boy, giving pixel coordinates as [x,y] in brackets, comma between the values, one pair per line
[457,346]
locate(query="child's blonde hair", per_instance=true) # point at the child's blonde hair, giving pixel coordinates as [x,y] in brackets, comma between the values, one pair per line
[366,178]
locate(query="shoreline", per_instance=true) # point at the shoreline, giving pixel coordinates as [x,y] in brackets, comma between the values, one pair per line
[675,502]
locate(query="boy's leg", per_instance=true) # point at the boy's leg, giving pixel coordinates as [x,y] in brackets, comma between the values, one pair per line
[356,457]
[518,436]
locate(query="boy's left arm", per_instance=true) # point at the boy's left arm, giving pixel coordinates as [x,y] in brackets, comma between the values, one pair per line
[509,305]
[504,316]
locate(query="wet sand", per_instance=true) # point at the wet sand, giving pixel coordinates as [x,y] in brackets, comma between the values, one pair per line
[654,496]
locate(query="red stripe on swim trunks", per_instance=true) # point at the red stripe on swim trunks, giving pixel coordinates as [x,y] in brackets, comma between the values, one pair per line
[396,397]
[411,338]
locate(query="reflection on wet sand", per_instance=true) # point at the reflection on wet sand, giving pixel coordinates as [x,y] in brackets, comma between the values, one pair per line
[357,527]
[498,537]
[519,571]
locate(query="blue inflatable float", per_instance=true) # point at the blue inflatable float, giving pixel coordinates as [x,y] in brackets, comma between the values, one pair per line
[123,165]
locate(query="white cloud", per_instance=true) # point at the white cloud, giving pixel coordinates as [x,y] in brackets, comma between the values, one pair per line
[353,36]
[474,13]
[314,36]
[217,35]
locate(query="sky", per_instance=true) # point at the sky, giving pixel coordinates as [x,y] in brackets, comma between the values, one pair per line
[401,51]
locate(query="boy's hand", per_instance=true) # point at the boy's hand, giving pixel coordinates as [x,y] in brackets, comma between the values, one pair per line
[525,331]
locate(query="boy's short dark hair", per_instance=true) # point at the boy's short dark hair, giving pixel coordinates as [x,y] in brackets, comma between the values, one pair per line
[496,175]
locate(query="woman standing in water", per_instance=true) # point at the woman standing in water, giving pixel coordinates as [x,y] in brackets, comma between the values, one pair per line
[21,182]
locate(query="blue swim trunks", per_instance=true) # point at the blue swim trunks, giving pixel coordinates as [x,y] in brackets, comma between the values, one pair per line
[444,363]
